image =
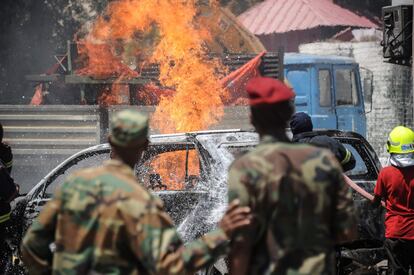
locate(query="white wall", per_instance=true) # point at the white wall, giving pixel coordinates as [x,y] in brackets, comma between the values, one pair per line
[402,2]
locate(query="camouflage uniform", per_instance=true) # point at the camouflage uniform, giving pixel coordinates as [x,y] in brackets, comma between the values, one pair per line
[101,221]
[300,204]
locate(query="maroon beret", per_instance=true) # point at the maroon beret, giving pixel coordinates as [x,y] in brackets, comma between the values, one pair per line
[266,90]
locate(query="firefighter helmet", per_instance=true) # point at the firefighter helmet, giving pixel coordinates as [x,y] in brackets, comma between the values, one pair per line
[400,140]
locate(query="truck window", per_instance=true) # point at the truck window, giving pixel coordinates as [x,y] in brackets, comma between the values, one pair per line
[299,79]
[346,87]
[325,96]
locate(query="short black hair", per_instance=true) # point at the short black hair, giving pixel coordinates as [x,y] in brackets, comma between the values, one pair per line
[301,122]
[268,117]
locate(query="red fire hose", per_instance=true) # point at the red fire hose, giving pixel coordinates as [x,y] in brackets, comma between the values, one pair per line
[360,190]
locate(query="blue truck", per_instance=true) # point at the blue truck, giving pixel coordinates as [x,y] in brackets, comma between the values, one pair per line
[329,89]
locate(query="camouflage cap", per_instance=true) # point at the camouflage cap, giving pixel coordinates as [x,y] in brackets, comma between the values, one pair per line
[128,128]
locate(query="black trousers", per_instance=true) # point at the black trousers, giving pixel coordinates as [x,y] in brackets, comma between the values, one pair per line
[3,247]
[400,255]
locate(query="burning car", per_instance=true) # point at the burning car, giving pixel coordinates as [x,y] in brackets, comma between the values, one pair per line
[188,172]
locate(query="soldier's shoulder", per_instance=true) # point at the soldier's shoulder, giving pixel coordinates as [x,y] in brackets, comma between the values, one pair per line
[282,149]
[112,187]
[269,150]
[299,153]
[113,181]
[85,174]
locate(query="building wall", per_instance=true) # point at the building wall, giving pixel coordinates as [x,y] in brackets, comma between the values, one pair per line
[402,2]
[290,41]
[392,102]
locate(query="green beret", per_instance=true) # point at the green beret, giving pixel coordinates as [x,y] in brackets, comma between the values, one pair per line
[128,128]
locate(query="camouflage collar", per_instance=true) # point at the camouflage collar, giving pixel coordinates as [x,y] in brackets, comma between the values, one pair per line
[270,139]
[119,166]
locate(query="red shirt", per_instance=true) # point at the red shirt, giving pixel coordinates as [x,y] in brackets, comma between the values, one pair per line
[396,186]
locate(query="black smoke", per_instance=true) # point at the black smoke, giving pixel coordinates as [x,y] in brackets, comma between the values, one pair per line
[31,33]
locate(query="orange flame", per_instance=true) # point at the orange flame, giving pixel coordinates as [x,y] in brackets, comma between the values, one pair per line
[109,46]
[101,63]
[171,168]
[133,32]
[116,95]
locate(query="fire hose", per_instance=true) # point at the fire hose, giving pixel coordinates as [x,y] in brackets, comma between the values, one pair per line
[360,190]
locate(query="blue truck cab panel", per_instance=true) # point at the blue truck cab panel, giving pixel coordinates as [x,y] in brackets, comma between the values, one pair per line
[329,89]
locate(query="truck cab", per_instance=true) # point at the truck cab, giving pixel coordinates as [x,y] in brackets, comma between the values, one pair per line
[329,89]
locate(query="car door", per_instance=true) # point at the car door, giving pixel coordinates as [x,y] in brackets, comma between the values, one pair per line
[365,173]
[348,99]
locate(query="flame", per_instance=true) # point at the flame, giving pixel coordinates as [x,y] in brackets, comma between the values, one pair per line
[37,98]
[111,48]
[116,95]
[150,94]
[171,167]
[136,32]
[101,63]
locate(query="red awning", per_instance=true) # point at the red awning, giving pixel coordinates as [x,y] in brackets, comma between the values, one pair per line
[280,16]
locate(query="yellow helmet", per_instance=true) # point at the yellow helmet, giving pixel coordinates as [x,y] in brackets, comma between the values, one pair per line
[400,140]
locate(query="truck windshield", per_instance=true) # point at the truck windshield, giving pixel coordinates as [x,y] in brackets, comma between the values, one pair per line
[299,79]
[346,87]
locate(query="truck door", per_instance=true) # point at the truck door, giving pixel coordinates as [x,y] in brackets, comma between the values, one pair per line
[299,78]
[323,111]
[349,104]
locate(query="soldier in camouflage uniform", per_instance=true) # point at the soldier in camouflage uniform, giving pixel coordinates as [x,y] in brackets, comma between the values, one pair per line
[102,221]
[300,204]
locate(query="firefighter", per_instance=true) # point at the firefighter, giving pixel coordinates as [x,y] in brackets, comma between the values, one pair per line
[6,155]
[395,185]
[300,204]
[302,130]
[8,191]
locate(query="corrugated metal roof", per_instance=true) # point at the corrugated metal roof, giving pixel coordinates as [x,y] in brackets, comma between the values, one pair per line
[279,16]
